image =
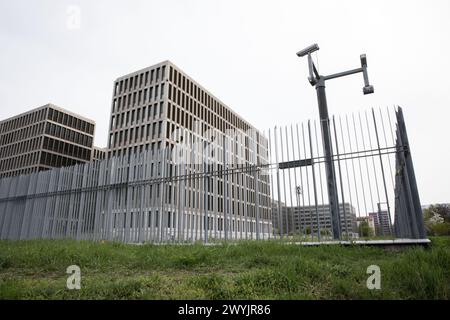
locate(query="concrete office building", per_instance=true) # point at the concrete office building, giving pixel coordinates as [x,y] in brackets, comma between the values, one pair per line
[296,220]
[381,222]
[160,107]
[44,138]
[99,154]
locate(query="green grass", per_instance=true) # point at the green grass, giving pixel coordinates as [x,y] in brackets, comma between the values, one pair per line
[248,270]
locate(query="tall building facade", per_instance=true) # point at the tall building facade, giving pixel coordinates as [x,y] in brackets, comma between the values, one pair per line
[99,154]
[381,222]
[304,219]
[161,107]
[44,138]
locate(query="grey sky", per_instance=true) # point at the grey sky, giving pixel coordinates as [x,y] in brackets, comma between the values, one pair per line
[244,53]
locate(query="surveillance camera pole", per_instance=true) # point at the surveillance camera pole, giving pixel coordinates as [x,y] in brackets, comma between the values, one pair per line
[318,81]
[328,151]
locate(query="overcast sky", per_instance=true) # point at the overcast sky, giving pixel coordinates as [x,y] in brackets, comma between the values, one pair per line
[244,53]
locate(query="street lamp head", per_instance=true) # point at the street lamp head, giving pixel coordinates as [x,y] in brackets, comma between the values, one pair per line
[308,50]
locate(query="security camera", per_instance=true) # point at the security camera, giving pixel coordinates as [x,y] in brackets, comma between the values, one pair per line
[308,50]
[368,89]
[363,60]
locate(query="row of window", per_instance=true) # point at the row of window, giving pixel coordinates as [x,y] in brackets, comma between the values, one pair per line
[70,121]
[56,161]
[21,147]
[68,135]
[19,161]
[191,89]
[137,116]
[140,134]
[120,220]
[23,171]
[177,116]
[22,121]
[200,112]
[22,133]
[237,191]
[192,200]
[137,81]
[98,154]
[153,147]
[67,149]
[236,150]
[138,98]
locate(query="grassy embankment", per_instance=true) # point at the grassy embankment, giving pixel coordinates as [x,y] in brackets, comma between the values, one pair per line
[250,270]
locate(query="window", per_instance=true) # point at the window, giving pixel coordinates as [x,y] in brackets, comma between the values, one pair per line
[148,131]
[160,129]
[149,115]
[163,73]
[131,135]
[161,109]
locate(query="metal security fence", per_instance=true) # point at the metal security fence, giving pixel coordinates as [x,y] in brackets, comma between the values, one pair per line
[224,186]
[366,147]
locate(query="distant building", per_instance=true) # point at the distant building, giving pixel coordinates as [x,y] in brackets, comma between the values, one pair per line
[44,138]
[99,154]
[370,222]
[304,219]
[381,222]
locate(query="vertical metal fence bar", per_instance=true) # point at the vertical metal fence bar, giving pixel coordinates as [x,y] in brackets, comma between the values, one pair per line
[373,158]
[346,165]
[256,186]
[284,207]
[307,182]
[338,160]
[366,161]
[382,171]
[291,204]
[314,185]
[359,165]
[353,165]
